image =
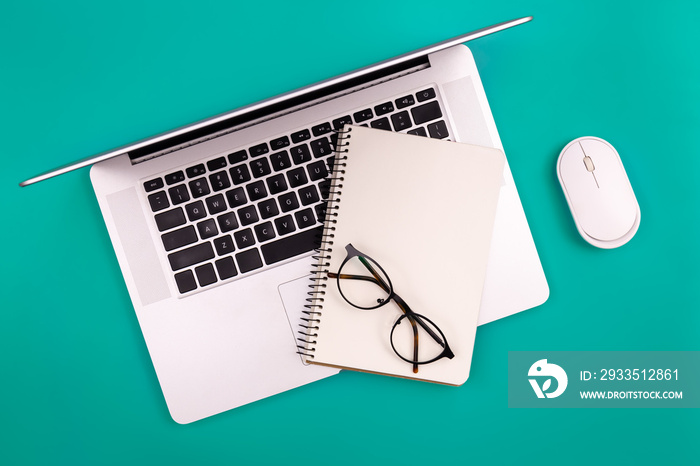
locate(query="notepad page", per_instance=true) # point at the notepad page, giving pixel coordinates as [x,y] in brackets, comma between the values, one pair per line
[423,209]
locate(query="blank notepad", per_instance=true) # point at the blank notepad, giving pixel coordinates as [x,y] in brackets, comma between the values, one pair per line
[424,210]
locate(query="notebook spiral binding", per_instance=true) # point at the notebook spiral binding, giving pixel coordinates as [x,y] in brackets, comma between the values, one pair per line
[313,310]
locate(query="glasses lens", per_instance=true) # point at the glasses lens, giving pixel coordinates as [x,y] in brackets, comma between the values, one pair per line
[430,340]
[363,283]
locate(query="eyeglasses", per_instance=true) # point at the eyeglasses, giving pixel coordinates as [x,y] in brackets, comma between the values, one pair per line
[364,284]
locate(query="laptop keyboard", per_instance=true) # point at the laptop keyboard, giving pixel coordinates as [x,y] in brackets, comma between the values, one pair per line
[248,210]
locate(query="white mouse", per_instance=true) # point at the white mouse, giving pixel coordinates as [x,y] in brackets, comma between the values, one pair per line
[600,196]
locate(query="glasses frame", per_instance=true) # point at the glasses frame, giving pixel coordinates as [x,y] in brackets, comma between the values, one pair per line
[414,319]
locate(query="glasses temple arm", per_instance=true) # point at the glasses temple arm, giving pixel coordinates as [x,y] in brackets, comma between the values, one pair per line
[344,276]
[378,277]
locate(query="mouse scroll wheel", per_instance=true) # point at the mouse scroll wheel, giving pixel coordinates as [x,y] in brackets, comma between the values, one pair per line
[588,162]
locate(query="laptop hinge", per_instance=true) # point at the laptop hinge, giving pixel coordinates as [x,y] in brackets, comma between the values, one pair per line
[276,109]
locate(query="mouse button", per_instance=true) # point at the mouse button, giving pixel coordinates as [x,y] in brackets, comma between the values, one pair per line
[579,185]
[614,208]
[575,179]
[571,162]
[610,173]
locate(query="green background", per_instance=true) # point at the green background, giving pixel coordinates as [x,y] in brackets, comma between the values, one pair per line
[76,78]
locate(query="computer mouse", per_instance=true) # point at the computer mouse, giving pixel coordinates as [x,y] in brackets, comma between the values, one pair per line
[598,191]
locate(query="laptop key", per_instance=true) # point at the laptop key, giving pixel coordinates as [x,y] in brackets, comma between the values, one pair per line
[224,245]
[285,225]
[158,201]
[191,256]
[297,177]
[405,101]
[237,157]
[420,131]
[249,260]
[300,136]
[268,208]
[227,222]
[321,147]
[323,128]
[384,108]
[340,122]
[264,232]
[226,268]
[170,219]
[288,201]
[240,174]
[236,197]
[207,228]
[401,121]
[152,185]
[321,210]
[276,184]
[244,238]
[248,215]
[317,170]
[256,190]
[197,170]
[179,194]
[280,161]
[305,218]
[279,143]
[300,154]
[308,195]
[216,164]
[260,149]
[426,112]
[425,94]
[199,187]
[216,204]
[325,188]
[219,181]
[205,274]
[382,123]
[179,238]
[173,178]
[185,281]
[363,115]
[438,130]
[195,211]
[290,246]
[260,167]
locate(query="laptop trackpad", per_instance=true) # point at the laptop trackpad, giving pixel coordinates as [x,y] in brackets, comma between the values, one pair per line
[294,294]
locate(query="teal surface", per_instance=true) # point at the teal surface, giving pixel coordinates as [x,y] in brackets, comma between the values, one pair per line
[76,78]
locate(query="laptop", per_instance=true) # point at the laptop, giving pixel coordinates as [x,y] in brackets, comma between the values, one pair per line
[214,224]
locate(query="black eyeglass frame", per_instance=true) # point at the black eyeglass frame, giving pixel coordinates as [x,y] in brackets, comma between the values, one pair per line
[413,318]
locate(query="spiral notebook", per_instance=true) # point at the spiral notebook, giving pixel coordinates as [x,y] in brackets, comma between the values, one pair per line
[423,210]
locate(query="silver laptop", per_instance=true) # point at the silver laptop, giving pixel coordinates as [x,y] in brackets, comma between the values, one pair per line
[214,224]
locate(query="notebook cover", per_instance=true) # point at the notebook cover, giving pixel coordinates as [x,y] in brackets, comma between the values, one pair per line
[424,210]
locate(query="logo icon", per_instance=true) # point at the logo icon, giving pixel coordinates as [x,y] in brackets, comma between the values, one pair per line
[543,369]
